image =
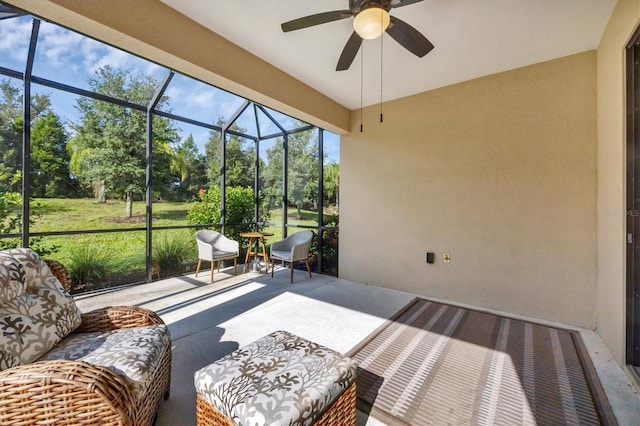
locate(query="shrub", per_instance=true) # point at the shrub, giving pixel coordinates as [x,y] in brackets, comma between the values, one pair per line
[172,250]
[11,223]
[206,209]
[329,246]
[240,206]
[89,265]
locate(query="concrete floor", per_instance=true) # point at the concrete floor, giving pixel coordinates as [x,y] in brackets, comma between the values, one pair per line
[208,321]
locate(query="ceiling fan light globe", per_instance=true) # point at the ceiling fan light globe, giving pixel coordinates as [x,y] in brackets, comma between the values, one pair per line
[370,23]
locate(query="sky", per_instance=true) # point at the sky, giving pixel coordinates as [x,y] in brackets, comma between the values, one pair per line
[71,58]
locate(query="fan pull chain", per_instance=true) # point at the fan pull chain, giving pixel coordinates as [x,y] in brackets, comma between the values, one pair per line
[381,62]
[361,68]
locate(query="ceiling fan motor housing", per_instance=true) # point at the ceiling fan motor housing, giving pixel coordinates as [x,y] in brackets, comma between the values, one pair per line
[356,6]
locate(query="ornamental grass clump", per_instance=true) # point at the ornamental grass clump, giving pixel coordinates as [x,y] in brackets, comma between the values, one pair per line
[89,265]
[172,251]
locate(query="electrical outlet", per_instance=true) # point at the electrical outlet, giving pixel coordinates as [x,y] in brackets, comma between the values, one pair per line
[447,258]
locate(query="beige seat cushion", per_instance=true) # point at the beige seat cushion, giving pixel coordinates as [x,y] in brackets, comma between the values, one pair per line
[134,353]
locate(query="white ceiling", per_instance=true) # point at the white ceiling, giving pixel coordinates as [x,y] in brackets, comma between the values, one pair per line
[472,38]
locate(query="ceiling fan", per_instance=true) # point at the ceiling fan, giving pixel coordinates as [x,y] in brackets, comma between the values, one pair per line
[371,19]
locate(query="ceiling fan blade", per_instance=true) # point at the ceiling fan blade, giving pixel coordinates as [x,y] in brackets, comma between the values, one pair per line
[317,19]
[408,37]
[400,3]
[349,52]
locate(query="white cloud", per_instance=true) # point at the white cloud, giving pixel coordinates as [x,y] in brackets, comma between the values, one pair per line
[174,92]
[197,100]
[114,58]
[155,70]
[228,107]
[81,56]
[90,52]
[60,47]
[190,94]
[119,59]
[203,99]
[14,37]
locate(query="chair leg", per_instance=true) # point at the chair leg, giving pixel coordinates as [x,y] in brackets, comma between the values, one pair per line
[198,267]
[273,266]
[219,261]
[212,269]
[235,266]
[265,256]
[291,267]
[308,267]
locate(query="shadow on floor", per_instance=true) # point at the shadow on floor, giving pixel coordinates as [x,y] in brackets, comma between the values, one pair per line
[198,350]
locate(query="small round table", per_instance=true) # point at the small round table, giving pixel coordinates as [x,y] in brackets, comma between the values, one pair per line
[256,238]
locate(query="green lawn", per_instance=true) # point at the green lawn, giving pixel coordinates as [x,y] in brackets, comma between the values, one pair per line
[308,218]
[61,214]
[125,251]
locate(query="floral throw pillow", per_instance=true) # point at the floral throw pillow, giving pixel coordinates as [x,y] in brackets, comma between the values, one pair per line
[36,316]
[12,281]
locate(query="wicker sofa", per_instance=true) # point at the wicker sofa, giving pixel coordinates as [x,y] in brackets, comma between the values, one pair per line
[59,366]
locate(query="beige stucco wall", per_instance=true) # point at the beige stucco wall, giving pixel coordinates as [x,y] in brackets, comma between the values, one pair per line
[611,176]
[500,172]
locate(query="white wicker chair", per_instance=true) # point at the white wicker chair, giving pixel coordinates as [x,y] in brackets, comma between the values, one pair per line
[215,247]
[292,249]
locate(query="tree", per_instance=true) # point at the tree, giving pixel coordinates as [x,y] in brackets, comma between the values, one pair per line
[109,148]
[11,223]
[303,170]
[272,176]
[213,154]
[302,173]
[10,136]
[190,165]
[331,183]
[49,157]
[11,127]
[240,157]
[184,155]
[240,162]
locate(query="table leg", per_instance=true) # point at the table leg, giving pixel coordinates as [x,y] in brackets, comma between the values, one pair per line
[249,253]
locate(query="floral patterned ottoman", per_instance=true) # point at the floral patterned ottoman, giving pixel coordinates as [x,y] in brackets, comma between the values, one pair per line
[280,379]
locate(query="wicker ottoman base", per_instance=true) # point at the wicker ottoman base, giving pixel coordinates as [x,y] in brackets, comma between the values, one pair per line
[341,413]
[280,379]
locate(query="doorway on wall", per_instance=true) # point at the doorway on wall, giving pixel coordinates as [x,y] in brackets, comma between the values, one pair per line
[633,203]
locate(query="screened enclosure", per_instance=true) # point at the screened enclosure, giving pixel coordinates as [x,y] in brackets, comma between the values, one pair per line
[109,162]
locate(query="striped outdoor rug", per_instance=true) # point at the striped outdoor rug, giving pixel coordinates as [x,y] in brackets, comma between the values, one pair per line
[438,364]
